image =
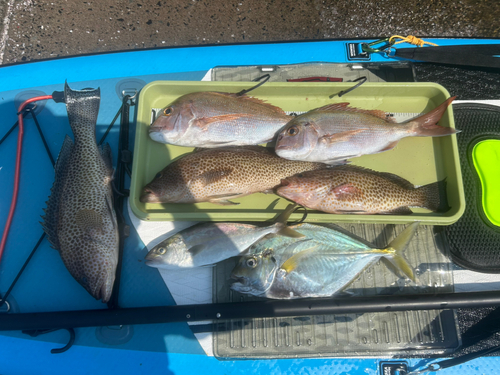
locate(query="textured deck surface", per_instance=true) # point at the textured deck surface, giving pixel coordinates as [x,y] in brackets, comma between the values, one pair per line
[41,29]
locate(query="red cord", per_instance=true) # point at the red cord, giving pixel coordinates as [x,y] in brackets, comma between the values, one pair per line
[18,168]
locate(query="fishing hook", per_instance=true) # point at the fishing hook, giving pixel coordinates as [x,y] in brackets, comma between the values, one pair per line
[361,79]
[72,336]
[304,216]
[266,76]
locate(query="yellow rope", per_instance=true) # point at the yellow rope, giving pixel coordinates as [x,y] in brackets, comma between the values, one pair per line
[410,39]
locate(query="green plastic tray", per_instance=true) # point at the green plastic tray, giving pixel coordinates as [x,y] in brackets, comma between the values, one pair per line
[419,160]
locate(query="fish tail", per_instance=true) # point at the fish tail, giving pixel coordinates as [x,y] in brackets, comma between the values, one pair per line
[434,196]
[281,223]
[397,246]
[426,125]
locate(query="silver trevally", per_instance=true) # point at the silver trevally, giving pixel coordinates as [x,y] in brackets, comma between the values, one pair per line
[307,268]
[79,219]
[256,269]
[208,243]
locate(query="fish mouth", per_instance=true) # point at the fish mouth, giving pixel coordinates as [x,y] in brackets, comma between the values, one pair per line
[239,284]
[158,134]
[148,196]
[285,182]
[102,287]
[280,146]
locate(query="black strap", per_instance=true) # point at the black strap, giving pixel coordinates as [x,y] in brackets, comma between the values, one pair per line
[472,55]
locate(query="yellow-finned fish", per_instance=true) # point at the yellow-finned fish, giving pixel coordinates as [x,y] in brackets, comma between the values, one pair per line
[357,190]
[80,220]
[314,267]
[336,132]
[217,175]
[217,119]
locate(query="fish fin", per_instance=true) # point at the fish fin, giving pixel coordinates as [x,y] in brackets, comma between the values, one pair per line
[109,206]
[223,202]
[51,217]
[332,107]
[222,199]
[399,211]
[390,146]
[386,175]
[346,211]
[198,149]
[203,122]
[214,175]
[284,216]
[289,232]
[398,245]
[255,100]
[344,107]
[196,249]
[435,198]
[90,221]
[338,162]
[426,125]
[262,149]
[105,151]
[340,137]
[82,107]
[345,192]
[291,263]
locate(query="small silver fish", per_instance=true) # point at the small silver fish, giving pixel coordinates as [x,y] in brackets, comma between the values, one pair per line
[308,269]
[79,219]
[336,132]
[209,243]
[216,119]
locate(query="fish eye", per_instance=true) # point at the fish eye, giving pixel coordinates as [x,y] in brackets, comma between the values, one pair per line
[167,111]
[293,130]
[161,250]
[158,175]
[252,262]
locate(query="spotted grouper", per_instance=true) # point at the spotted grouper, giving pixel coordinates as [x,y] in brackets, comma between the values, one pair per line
[79,219]
[217,175]
[357,190]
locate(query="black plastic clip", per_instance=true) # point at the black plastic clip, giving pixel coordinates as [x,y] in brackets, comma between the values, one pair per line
[356,53]
[393,368]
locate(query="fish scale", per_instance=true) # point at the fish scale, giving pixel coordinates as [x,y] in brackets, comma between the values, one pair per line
[216,175]
[80,220]
[352,189]
[336,132]
[215,119]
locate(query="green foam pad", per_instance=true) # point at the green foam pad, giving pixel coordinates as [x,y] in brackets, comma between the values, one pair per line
[486,158]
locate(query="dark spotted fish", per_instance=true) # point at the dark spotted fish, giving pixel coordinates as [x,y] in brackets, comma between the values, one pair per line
[216,119]
[356,190]
[79,219]
[217,175]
